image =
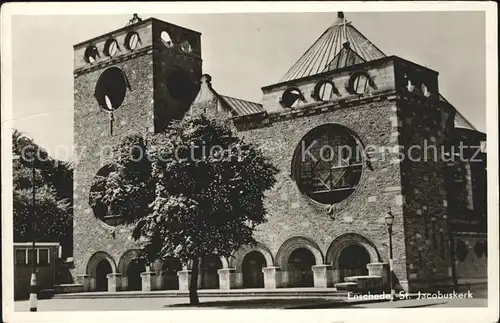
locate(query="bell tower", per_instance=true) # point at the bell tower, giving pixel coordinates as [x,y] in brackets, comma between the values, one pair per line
[135,79]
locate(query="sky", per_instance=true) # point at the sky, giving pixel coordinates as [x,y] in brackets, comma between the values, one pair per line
[242,53]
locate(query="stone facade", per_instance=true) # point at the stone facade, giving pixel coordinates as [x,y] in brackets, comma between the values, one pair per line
[303,242]
[147,107]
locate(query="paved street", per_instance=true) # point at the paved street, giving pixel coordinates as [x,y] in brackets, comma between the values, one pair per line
[123,304]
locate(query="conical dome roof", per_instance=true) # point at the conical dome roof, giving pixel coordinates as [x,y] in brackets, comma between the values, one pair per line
[324,53]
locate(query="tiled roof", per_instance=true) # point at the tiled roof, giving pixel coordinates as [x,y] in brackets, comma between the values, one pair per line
[238,107]
[460,120]
[242,107]
[320,57]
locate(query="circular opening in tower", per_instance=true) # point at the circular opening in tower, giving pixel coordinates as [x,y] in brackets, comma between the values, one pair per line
[166,39]
[97,196]
[360,83]
[291,97]
[111,88]
[110,47]
[131,40]
[186,47]
[324,90]
[180,85]
[91,54]
[327,164]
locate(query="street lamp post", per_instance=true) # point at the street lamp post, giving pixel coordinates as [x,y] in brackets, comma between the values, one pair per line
[33,291]
[389,220]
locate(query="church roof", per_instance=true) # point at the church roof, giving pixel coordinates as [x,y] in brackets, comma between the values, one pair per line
[242,107]
[238,107]
[328,51]
[460,120]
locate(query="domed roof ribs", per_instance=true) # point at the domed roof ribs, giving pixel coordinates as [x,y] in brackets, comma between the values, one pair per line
[305,59]
[317,57]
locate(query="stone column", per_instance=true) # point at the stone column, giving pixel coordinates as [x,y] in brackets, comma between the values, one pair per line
[157,268]
[184,279]
[272,277]
[379,269]
[148,281]
[323,276]
[114,282]
[85,281]
[227,278]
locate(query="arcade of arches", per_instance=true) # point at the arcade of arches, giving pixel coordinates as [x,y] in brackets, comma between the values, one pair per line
[299,262]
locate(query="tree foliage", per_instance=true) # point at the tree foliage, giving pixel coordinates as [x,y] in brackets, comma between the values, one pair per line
[197,190]
[53,180]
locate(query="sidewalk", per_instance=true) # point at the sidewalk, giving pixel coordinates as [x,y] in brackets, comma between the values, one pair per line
[179,303]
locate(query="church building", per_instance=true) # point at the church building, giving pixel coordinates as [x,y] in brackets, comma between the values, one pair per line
[327,217]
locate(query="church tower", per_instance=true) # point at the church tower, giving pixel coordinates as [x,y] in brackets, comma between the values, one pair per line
[131,80]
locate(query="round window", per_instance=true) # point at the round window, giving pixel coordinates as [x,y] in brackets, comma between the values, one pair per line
[186,47]
[97,196]
[327,164]
[131,40]
[91,54]
[180,85]
[291,97]
[360,83]
[111,88]
[324,91]
[165,38]
[425,90]
[111,47]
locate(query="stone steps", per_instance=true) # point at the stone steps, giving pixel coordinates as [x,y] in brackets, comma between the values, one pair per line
[346,286]
[361,284]
[257,293]
[355,279]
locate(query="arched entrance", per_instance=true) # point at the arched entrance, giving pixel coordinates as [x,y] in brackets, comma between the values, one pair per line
[209,278]
[252,265]
[169,271]
[353,260]
[299,267]
[134,270]
[102,269]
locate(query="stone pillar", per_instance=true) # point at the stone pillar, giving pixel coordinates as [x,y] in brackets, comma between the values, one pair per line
[85,281]
[379,269]
[157,268]
[227,278]
[114,282]
[272,277]
[323,276]
[184,279]
[148,281]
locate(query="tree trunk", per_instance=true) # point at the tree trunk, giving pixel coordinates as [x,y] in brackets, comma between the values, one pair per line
[193,286]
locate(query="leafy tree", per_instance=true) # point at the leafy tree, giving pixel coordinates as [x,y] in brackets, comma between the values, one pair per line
[53,181]
[197,190]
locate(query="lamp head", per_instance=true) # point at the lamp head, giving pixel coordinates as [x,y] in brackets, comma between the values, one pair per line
[389,219]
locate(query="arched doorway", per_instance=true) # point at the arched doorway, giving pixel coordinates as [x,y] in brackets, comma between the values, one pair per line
[299,267]
[252,265]
[102,269]
[169,271]
[134,270]
[209,278]
[353,260]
